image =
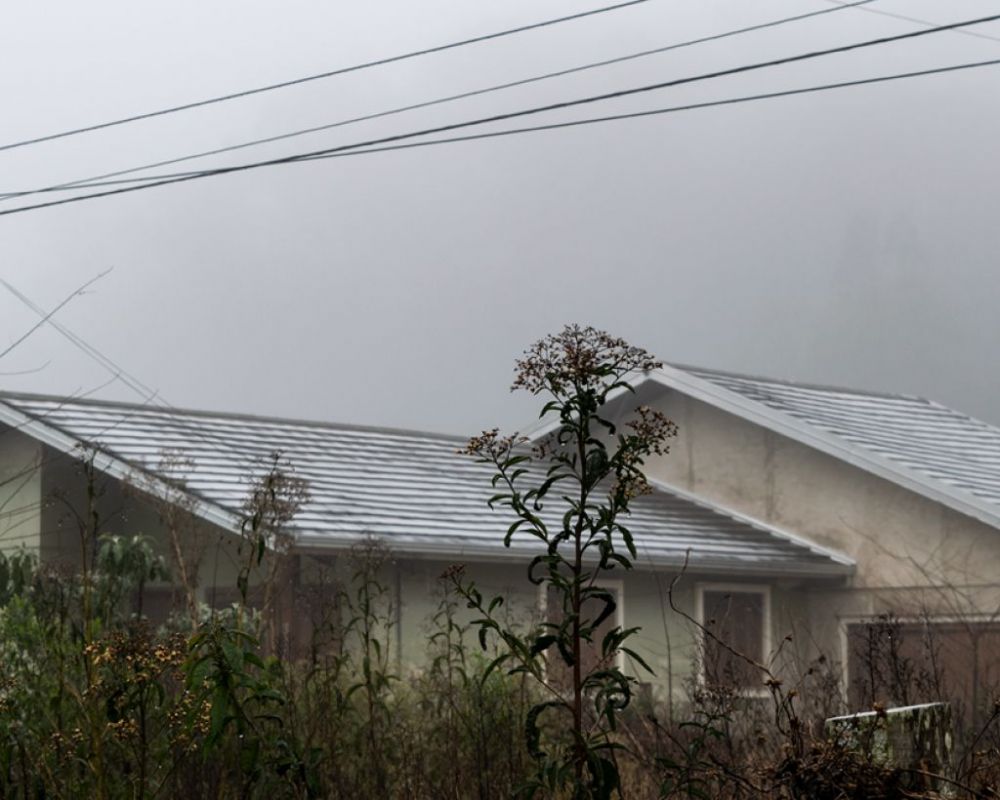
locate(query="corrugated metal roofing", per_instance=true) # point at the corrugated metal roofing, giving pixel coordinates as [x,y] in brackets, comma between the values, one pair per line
[921,436]
[410,489]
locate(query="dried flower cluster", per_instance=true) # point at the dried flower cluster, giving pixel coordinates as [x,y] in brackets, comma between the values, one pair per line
[652,430]
[491,446]
[276,496]
[578,358]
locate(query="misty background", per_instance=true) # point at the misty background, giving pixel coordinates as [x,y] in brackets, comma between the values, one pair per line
[846,237]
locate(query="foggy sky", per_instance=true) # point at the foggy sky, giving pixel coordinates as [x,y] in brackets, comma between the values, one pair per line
[844,238]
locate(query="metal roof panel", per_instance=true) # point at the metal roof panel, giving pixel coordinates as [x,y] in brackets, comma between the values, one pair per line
[409,488]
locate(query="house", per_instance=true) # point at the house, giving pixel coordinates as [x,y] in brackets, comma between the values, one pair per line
[798,514]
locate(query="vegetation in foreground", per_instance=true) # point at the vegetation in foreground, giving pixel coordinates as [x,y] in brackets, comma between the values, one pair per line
[97,702]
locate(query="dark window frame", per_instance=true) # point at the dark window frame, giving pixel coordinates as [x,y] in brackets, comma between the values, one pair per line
[762,589]
[911,625]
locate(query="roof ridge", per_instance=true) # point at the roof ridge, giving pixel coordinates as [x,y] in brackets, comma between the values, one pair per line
[14,397]
[695,370]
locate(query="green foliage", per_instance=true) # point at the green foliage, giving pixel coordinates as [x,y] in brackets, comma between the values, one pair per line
[244,698]
[109,707]
[590,470]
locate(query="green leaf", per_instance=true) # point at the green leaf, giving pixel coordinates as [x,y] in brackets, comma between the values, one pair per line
[629,542]
[218,716]
[496,662]
[543,643]
[532,734]
[638,659]
[512,530]
[603,776]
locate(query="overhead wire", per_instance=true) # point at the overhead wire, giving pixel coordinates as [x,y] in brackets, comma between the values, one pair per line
[907,18]
[119,373]
[132,382]
[162,180]
[48,316]
[440,100]
[320,76]
[661,111]
[349,151]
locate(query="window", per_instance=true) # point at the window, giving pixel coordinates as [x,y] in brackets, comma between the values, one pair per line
[739,616]
[903,662]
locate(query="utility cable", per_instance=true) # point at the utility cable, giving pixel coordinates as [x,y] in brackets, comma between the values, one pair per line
[557,125]
[166,179]
[437,101]
[319,76]
[47,317]
[660,111]
[132,382]
[119,373]
[908,18]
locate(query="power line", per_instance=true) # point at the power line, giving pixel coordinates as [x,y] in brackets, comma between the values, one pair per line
[119,373]
[559,125]
[661,111]
[48,317]
[907,18]
[163,180]
[438,101]
[132,382]
[320,76]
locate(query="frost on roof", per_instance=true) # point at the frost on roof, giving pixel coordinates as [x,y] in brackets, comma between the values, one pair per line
[409,488]
[928,438]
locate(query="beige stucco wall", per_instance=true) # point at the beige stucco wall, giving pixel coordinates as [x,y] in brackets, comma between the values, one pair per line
[20,490]
[913,555]
[664,640]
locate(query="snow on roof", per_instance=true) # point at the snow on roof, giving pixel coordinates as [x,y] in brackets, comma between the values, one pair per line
[408,488]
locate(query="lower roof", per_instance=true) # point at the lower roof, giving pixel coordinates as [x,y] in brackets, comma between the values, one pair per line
[410,489]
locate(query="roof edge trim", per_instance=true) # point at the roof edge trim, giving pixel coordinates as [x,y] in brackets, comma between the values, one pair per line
[55,437]
[318,544]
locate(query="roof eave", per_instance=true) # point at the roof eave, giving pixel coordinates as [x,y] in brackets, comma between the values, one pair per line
[55,437]
[318,544]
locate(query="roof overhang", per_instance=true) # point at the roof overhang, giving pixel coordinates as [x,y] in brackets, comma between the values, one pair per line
[493,554]
[115,467]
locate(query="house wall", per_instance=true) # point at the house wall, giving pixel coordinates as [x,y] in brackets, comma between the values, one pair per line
[111,506]
[666,641]
[913,555]
[74,505]
[20,490]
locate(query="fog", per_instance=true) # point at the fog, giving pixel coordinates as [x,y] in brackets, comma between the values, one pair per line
[844,237]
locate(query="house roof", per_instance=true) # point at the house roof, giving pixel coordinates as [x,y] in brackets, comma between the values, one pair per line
[916,443]
[411,489]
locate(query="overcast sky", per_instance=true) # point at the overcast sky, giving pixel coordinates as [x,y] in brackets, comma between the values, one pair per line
[847,237]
